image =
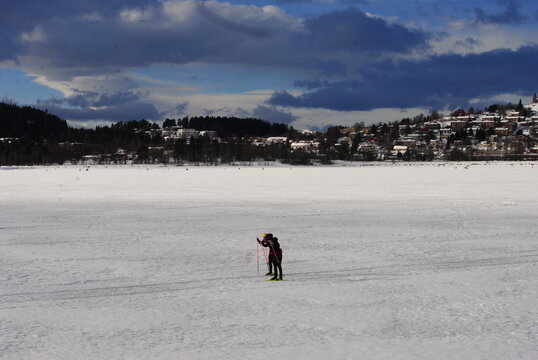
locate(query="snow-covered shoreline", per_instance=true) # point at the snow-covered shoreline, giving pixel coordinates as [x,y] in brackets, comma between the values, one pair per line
[270,164]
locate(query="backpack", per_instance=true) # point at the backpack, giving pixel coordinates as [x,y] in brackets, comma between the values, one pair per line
[275,244]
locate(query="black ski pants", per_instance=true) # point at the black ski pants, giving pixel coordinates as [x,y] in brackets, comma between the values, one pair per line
[276,262]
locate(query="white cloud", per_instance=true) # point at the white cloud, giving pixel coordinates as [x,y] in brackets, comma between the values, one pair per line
[223,104]
[100,84]
[487,37]
[502,98]
[36,35]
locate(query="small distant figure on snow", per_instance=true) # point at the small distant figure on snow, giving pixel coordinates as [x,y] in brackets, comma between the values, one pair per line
[275,255]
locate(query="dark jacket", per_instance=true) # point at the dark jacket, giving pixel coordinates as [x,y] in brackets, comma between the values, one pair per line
[274,246]
[272,243]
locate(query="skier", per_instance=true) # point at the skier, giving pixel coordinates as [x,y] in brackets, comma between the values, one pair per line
[275,255]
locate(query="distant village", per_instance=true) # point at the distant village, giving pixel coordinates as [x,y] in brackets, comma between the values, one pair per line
[499,132]
[497,135]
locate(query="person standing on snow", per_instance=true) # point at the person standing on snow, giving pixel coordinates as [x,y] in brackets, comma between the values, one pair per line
[275,255]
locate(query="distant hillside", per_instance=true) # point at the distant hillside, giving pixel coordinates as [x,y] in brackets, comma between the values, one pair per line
[16,121]
[232,126]
[32,136]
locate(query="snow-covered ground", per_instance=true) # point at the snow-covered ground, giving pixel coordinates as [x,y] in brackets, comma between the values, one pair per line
[426,261]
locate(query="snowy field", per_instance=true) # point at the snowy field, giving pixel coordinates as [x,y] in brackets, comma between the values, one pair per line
[426,261]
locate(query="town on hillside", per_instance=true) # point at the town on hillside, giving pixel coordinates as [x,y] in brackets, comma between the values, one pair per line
[499,132]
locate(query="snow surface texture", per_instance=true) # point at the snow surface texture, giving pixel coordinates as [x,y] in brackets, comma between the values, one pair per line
[432,261]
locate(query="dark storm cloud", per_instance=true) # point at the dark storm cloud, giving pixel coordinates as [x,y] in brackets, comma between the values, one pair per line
[511,14]
[22,16]
[445,80]
[182,32]
[352,30]
[174,33]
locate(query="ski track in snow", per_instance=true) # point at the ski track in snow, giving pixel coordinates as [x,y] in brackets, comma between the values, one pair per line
[429,261]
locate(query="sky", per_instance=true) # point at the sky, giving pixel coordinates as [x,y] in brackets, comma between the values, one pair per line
[306,63]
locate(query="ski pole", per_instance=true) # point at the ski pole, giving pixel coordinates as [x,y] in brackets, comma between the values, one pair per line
[258,257]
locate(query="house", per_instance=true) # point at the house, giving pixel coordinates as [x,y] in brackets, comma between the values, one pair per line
[277,140]
[399,149]
[458,124]
[408,142]
[90,159]
[305,145]
[368,151]
[485,122]
[514,116]
[344,140]
[187,134]
[432,125]
[212,134]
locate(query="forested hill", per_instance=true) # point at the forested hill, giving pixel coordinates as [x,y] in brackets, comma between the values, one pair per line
[232,126]
[16,121]
[36,124]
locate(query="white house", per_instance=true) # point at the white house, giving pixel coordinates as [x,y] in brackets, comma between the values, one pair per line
[187,134]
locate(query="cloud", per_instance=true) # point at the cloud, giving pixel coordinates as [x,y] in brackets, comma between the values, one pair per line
[353,31]
[437,82]
[468,43]
[181,108]
[321,1]
[87,49]
[173,32]
[124,112]
[92,99]
[19,18]
[88,98]
[510,15]
[179,32]
[273,114]
[230,24]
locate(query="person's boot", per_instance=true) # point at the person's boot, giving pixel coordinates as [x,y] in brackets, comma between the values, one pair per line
[280,277]
[273,278]
[269,273]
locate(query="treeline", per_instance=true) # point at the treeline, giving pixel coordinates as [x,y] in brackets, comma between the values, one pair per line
[28,122]
[230,126]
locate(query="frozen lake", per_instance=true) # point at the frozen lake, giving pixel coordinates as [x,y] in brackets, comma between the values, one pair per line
[422,261]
